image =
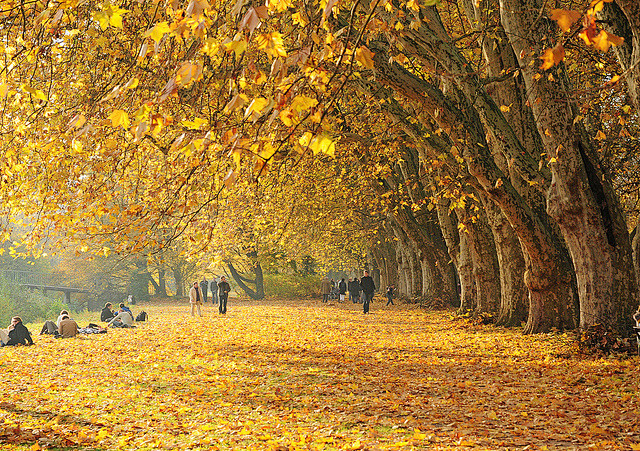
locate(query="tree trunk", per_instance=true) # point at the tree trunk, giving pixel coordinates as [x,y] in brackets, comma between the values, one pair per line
[486,271]
[178,277]
[548,274]
[622,18]
[255,293]
[580,199]
[162,283]
[468,292]
[513,300]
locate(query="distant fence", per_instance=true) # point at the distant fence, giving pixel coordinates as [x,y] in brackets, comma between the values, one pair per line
[15,277]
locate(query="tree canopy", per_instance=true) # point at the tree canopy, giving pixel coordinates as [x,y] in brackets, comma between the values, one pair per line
[486,144]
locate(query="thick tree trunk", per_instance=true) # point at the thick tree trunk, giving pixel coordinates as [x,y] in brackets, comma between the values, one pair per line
[580,198]
[448,225]
[635,246]
[486,272]
[548,272]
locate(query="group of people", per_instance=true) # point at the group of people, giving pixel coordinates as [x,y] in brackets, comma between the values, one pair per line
[219,294]
[359,290]
[123,317]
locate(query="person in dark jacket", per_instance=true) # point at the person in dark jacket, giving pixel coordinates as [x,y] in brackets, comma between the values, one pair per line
[204,287]
[390,290]
[368,288]
[18,333]
[107,314]
[342,288]
[356,290]
[214,291]
[223,293]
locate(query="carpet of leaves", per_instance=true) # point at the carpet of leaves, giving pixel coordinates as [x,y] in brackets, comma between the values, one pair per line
[310,376]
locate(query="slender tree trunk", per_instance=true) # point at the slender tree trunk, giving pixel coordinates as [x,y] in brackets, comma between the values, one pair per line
[514,297]
[162,283]
[468,289]
[178,277]
[622,18]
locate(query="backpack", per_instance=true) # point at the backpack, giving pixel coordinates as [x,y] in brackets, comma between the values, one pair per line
[142,316]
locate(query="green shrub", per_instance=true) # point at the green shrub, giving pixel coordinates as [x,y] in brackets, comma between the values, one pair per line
[291,286]
[31,306]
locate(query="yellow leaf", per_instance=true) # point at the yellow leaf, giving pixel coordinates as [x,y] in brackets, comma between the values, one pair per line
[77,121]
[132,83]
[238,47]
[492,415]
[565,18]
[302,102]
[364,57]
[551,57]
[600,135]
[119,118]
[299,19]
[229,181]
[256,105]
[505,108]
[4,89]
[188,73]
[236,102]
[158,31]
[272,44]
[605,40]
[210,47]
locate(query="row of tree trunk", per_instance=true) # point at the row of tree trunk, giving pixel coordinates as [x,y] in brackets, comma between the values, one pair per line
[511,203]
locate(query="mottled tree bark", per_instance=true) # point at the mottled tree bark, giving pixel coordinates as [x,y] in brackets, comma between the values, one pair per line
[580,198]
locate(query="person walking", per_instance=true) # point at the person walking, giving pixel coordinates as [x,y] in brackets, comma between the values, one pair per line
[204,288]
[390,290]
[350,288]
[195,299]
[356,290]
[214,291]
[223,292]
[342,289]
[325,288]
[368,288]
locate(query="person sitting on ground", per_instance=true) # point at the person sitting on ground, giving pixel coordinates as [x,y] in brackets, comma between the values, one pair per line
[62,313]
[68,327]
[107,314]
[18,334]
[122,319]
[126,309]
[49,328]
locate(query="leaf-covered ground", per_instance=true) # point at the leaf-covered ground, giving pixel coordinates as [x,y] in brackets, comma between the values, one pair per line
[298,376]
